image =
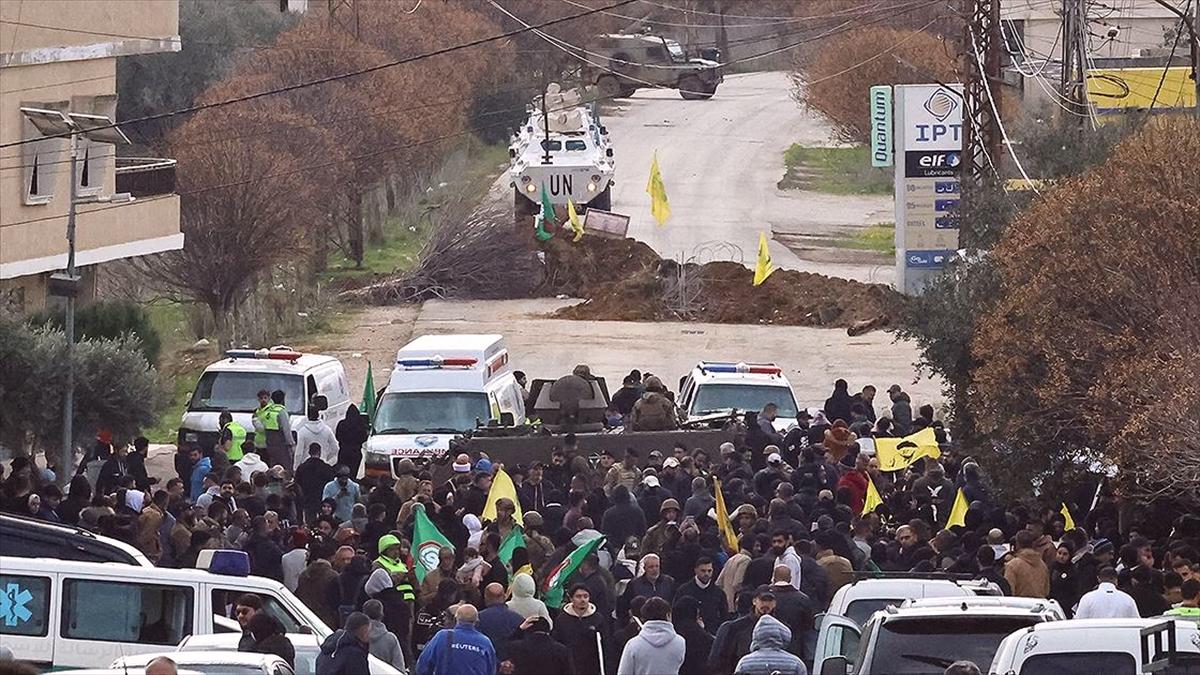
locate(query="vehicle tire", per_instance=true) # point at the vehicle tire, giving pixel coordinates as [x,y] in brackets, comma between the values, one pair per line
[691,88]
[523,209]
[709,90]
[627,90]
[602,201]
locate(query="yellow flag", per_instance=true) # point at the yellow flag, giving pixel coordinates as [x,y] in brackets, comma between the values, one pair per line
[958,512]
[728,536]
[659,207]
[762,264]
[1069,522]
[873,499]
[573,218]
[502,486]
[893,457]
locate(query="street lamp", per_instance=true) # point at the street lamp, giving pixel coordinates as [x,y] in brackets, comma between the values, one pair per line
[98,129]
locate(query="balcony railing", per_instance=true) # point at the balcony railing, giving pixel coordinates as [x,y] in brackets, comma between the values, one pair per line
[145,176]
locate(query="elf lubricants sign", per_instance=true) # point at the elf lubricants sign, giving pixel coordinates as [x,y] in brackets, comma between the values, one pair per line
[929,142]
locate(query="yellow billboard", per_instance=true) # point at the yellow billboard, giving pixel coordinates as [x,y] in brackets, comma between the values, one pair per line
[1119,89]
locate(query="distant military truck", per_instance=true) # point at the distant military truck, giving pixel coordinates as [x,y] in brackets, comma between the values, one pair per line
[623,63]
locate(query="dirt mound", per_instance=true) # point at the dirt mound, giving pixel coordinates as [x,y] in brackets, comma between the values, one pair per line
[626,281]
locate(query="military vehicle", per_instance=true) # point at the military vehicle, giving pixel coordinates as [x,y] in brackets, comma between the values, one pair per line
[622,63]
[566,151]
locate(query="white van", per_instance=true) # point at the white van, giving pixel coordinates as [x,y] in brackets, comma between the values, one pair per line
[1095,647]
[233,384]
[721,386]
[64,614]
[441,386]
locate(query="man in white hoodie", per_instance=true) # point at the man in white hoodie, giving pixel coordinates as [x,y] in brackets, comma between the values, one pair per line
[315,430]
[657,649]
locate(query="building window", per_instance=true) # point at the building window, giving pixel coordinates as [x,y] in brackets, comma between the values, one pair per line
[40,162]
[93,158]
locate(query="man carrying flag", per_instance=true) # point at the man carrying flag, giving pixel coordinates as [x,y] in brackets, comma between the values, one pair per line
[427,543]
[502,488]
[659,207]
[763,267]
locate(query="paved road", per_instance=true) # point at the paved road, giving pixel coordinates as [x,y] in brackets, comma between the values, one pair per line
[721,160]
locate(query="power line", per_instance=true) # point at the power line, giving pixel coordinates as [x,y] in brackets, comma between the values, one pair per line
[342,76]
[996,112]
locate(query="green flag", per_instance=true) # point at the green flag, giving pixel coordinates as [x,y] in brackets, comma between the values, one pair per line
[552,586]
[427,543]
[368,401]
[514,540]
[546,217]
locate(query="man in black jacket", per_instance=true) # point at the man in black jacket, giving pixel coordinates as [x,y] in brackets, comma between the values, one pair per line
[536,653]
[345,652]
[711,599]
[733,638]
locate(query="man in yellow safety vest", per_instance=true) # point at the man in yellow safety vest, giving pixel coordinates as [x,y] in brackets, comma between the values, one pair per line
[271,419]
[391,583]
[233,435]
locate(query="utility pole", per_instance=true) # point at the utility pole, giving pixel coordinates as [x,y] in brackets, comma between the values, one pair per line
[68,434]
[981,98]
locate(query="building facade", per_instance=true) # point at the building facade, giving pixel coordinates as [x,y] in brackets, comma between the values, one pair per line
[62,55]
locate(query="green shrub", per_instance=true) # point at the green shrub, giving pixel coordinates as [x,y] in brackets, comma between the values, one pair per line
[109,319]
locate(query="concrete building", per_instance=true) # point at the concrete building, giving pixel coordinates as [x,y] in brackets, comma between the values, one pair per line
[62,54]
[1122,30]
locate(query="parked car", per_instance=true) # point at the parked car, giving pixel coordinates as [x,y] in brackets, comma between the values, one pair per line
[214,662]
[308,647]
[30,538]
[1094,647]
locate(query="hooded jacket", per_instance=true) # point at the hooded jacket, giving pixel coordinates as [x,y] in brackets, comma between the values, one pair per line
[1028,575]
[768,651]
[523,602]
[385,646]
[342,654]
[577,632]
[316,431]
[655,650]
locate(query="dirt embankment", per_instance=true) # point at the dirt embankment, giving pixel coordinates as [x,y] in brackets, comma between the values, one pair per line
[624,280]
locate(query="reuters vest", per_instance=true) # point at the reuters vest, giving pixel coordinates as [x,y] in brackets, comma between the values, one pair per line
[238,433]
[269,416]
[395,567]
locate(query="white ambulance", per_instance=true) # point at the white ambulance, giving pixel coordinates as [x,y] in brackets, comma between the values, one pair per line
[724,386]
[233,384]
[441,386]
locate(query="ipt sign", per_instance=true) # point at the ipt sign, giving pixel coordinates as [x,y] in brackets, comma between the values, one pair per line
[933,119]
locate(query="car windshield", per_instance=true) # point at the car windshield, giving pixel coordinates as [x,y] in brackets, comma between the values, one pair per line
[929,646]
[1084,663]
[576,146]
[238,391]
[677,53]
[551,146]
[430,412]
[859,611]
[712,398]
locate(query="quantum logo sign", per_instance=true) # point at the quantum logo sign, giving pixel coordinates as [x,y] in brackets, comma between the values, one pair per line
[881,126]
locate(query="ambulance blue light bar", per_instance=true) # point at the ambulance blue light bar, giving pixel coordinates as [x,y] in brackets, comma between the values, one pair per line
[275,354]
[437,362]
[754,368]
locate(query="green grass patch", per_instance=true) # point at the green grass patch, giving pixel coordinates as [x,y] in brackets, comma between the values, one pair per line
[839,171]
[880,237]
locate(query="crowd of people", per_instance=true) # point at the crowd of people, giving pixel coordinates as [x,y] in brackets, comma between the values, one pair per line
[665,593]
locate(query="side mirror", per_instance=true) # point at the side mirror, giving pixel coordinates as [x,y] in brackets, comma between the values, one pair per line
[608,152]
[835,665]
[507,419]
[319,402]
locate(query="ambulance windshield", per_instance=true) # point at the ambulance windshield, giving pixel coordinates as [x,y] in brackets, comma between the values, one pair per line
[424,412]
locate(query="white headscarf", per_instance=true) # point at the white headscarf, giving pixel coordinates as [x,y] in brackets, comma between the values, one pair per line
[471,522]
[135,499]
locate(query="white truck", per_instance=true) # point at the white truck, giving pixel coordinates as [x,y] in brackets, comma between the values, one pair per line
[233,384]
[726,386]
[565,151]
[441,386]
